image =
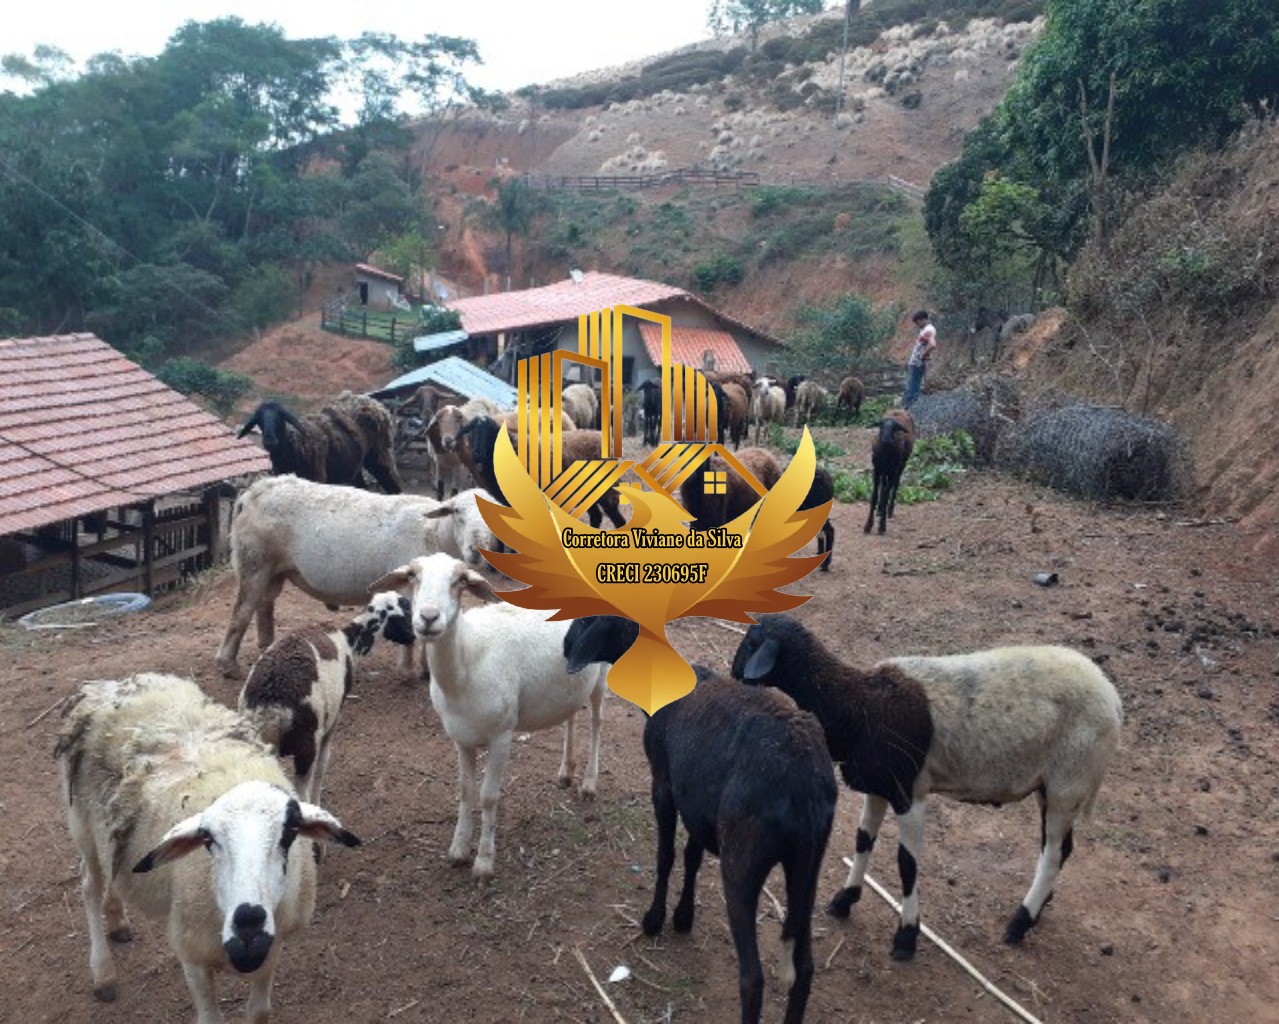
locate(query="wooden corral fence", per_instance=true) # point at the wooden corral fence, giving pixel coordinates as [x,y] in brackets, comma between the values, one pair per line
[148,547]
[622,182]
[343,317]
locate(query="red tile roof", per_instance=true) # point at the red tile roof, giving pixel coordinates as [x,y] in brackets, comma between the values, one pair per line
[557,303]
[83,429]
[372,271]
[689,343]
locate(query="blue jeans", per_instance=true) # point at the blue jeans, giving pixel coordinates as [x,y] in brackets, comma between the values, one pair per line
[914,384]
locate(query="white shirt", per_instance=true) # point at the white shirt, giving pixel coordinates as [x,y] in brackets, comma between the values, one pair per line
[922,344]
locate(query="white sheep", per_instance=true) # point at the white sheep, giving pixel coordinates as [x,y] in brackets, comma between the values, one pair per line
[153,770]
[810,399]
[332,542]
[495,670]
[990,727]
[296,688]
[768,404]
[582,405]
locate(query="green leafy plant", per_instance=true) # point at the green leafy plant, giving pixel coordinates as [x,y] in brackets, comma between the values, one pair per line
[221,388]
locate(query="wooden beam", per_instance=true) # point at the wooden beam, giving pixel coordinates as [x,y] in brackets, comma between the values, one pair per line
[148,549]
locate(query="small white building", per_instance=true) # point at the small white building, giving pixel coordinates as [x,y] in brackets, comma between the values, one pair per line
[376,288]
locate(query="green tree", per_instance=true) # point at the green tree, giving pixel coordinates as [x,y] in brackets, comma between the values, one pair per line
[733,16]
[513,213]
[838,338]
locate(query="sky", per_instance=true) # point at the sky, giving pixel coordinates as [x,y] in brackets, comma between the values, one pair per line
[521,41]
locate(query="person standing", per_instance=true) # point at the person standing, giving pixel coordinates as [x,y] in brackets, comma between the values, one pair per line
[920,353]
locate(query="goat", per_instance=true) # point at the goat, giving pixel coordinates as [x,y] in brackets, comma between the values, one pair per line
[335,445]
[331,544]
[296,688]
[989,727]
[888,457]
[722,507]
[495,670]
[137,758]
[810,399]
[852,392]
[748,774]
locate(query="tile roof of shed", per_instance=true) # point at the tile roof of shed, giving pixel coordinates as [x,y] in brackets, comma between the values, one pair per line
[689,343]
[557,303]
[83,429]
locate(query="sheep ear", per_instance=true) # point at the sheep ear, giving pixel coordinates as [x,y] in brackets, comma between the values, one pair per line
[393,580]
[760,664]
[320,825]
[185,837]
[442,512]
[478,585]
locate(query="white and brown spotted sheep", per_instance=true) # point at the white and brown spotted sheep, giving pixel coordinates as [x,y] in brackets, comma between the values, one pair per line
[295,690]
[990,728]
[153,770]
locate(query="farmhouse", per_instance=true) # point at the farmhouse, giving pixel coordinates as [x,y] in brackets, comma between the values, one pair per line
[109,480]
[513,325]
[376,288]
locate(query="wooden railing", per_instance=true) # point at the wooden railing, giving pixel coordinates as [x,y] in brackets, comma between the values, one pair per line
[682,176]
[342,317]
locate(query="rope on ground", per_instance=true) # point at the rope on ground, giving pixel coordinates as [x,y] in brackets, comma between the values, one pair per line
[951,952]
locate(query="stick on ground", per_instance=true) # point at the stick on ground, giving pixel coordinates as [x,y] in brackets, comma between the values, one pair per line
[612,1007]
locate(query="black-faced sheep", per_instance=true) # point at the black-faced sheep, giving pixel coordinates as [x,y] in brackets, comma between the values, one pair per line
[153,770]
[889,454]
[990,727]
[296,688]
[722,507]
[332,543]
[810,399]
[495,670]
[792,389]
[852,392]
[332,446]
[748,774]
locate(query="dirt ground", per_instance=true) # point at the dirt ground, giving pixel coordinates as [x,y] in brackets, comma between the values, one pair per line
[1168,911]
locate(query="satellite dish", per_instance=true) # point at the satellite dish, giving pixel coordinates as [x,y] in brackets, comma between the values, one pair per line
[576,275]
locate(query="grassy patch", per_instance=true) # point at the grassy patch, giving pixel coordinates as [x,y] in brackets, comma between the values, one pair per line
[934,465]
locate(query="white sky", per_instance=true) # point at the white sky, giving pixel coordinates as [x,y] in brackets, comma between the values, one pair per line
[521,41]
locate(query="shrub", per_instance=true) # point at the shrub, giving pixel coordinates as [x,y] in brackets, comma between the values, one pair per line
[721,269]
[838,338]
[221,388]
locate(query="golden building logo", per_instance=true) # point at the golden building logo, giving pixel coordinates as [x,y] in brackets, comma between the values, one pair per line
[654,569]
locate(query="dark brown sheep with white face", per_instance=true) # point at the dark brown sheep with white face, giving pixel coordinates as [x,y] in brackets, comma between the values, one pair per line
[333,446]
[749,775]
[990,727]
[710,510]
[888,456]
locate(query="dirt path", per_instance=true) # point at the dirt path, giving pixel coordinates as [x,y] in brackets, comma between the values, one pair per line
[1166,912]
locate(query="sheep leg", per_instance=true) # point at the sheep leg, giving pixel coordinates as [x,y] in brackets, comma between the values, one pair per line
[258,1010]
[910,827]
[266,614]
[382,466]
[591,779]
[1057,841]
[744,873]
[317,773]
[460,850]
[873,811]
[204,993]
[682,919]
[828,537]
[796,968]
[494,776]
[665,814]
[251,593]
[93,891]
[875,487]
[118,929]
[567,763]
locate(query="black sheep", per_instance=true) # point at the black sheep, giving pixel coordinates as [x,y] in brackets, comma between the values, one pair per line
[822,491]
[651,397]
[748,774]
[888,457]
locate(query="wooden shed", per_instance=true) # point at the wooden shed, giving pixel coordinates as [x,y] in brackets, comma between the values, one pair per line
[109,479]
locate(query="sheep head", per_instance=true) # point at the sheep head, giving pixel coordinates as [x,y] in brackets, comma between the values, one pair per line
[249,832]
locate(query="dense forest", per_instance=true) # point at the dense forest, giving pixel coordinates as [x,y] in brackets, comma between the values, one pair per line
[164,201]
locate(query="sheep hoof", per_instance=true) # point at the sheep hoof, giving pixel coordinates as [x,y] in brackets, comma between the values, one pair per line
[905,941]
[482,868]
[564,780]
[229,669]
[106,992]
[653,921]
[682,919]
[841,905]
[1017,928]
[459,858]
[586,792]
[121,934]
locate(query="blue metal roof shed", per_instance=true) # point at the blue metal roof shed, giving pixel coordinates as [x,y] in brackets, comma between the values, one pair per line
[457,375]
[434,342]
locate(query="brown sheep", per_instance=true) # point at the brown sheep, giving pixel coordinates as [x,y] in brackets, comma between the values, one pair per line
[852,392]
[888,457]
[710,510]
[736,411]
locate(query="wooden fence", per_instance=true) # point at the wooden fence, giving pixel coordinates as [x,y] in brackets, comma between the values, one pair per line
[622,182]
[356,321]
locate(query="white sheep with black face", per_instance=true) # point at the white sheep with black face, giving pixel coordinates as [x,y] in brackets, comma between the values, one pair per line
[495,670]
[154,771]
